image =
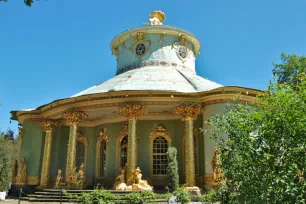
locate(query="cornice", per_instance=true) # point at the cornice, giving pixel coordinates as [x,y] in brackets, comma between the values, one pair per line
[157,29]
[109,101]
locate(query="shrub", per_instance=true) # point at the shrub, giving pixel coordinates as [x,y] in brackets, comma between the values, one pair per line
[143,197]
[182,195]
[172,169]
[100,196]
[263,156]
[6,159]
[210,197]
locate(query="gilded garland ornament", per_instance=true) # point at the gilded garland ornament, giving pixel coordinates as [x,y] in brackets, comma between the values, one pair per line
[189,111]
[102,135]
[75,116]
[49,125]
[133,112]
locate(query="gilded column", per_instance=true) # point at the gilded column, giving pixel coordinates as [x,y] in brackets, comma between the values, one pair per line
[189,113]
[132,113]
[74,117]
[48,126]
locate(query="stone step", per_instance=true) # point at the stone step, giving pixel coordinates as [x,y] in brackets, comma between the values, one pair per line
[52,200]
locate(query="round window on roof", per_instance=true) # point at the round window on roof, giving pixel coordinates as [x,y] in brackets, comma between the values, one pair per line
[182,52]
[140,49]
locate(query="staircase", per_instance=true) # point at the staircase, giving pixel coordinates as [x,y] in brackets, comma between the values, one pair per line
[52,195]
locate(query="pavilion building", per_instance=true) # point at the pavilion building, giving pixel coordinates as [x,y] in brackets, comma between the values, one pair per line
[155,101]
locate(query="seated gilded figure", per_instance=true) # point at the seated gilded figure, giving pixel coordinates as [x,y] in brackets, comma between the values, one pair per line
[138,183]
[120,181]
[77,178]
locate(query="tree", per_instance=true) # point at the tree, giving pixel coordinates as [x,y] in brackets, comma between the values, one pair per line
[5,165]
[290,69]
[172,169]
[9,134]
[27,2]
[263,157]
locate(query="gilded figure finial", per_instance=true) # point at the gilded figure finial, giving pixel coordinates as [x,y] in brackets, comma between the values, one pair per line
[157,17]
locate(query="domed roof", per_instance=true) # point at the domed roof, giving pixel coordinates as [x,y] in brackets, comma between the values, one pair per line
[157,58]
[158,78]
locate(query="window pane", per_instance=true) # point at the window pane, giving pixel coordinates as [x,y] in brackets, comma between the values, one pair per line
[123,151]
[80,154]
[160,159]
[103,158]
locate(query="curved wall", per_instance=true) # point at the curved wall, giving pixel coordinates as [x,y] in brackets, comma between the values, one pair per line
[160,48]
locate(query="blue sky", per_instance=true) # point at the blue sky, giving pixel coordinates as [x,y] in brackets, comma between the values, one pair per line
[58,48]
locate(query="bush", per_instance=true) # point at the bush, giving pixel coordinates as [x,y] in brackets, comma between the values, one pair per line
[100,196]
[263,157]
[143,197]
[6,159]
[104,197]
[172,169]
[210,197]
[182,195]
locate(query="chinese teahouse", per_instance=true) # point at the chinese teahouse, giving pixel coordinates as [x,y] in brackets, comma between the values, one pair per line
[110,132]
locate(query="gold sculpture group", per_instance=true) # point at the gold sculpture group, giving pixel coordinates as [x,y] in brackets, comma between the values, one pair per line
[136,181]
[76,180]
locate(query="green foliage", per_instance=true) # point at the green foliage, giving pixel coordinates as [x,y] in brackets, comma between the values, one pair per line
[98,195]
[143,197]
[289,70]
[172,169]
[263,159]
[9,134]
[6,160]
[182,195]
[210,197]
[104,197]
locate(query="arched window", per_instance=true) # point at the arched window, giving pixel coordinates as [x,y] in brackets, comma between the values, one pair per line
[160,158]
[101,157]
[123,151]
[81,150]
[160,140]
[80,154]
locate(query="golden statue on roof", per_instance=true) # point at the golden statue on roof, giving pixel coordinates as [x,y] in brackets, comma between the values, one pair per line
[157,17]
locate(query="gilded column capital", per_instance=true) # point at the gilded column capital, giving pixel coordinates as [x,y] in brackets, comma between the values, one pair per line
[133,112]
[189,111]
[49,125]
[75,116]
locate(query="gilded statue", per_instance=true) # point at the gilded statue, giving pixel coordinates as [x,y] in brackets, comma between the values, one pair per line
[156,18]
[120,181]
[59,179]
[81,176]
[22,172]
[216,165]
[77,178]
[138,183]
